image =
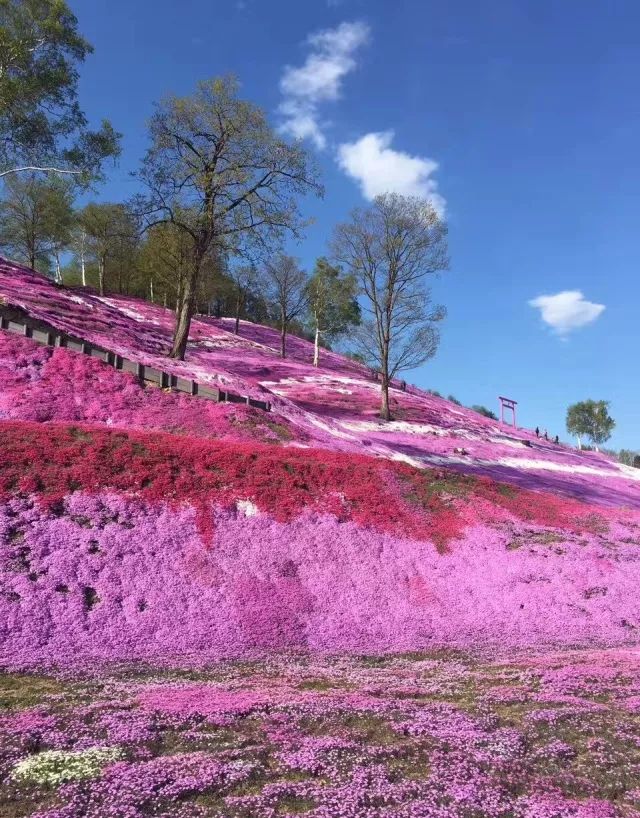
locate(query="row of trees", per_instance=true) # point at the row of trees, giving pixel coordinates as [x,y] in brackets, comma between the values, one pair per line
[220,193]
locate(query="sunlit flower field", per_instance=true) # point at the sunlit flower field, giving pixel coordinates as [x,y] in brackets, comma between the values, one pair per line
[211,611]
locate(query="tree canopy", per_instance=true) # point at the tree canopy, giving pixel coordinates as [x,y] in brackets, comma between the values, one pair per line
[590,419]
[332,301]
[218,172]
[42,126]
[36,218]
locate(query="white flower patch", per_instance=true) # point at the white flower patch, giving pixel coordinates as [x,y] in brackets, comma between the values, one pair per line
[247,508]
[507,441]
[394,426]
[55,767]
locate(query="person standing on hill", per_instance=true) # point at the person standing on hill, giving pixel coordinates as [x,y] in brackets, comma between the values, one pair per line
[537,431]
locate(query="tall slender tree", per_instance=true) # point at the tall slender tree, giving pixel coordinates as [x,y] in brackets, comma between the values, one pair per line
[286,287]
[392,247]
[107,227]
[333,305]
[245,279]
[217,171]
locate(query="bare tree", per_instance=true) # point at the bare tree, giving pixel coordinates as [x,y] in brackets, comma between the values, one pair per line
[286,286]
[244,278]
[218,172]
[392,247]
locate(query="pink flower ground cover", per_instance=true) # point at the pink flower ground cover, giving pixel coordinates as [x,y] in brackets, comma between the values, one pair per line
[333,406]
[303,612]
[426,735]
[43,384]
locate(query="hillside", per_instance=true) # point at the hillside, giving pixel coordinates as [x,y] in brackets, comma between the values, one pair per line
[208,610]
[313,526]
[334,406]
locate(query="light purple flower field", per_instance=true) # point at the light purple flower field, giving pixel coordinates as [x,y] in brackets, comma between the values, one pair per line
[217,659]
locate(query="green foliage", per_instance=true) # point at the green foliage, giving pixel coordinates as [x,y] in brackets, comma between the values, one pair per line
[453,399]
[434,392]
[482,410]
[111,234]
[36,218]
[41,122]
[54,767]
[333,306]
[591,419]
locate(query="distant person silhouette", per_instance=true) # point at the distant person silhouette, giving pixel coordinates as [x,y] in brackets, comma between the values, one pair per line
[556,440]
[537,431]
[546,436]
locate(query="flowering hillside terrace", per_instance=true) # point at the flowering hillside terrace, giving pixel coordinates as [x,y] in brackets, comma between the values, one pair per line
[333,406]
[209,611]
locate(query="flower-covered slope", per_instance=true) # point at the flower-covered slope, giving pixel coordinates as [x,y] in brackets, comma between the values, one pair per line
[333,406]
[39,383]
[122,546]
[314,527]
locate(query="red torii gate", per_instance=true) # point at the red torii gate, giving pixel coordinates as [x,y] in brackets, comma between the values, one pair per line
[508,403]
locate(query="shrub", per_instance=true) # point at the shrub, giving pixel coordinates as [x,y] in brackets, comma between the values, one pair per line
[482,410]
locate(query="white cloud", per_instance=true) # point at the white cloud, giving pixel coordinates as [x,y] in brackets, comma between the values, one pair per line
[319,79]
[379,168]
[567,310]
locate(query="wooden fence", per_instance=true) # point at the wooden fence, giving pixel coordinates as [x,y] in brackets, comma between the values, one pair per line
[19,322]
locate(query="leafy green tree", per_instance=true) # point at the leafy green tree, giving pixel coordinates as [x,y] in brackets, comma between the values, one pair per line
[453,399]
[333,305]
[42,127]
[36,218]
[482,410]
[109,229]
[218,172]
[392,247]
[590,419]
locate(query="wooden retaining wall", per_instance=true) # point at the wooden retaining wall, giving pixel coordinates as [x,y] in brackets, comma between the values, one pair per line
[19,322]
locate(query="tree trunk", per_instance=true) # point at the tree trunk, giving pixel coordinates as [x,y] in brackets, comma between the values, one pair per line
[58,268]
[151,289]
[385,412]
[101,275]
[316,347]
[185,313]
[83,268]
[283,340]
[237,326]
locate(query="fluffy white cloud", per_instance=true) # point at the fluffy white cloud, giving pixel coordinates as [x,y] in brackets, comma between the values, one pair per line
[378,168]
[566,311]
[319,79]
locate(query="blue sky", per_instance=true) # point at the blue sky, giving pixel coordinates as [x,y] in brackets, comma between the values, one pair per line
[520,116]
